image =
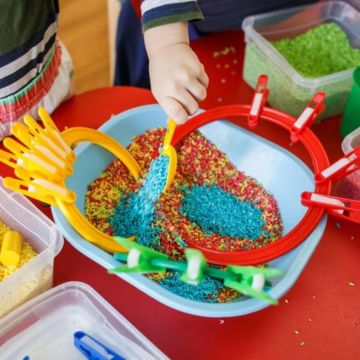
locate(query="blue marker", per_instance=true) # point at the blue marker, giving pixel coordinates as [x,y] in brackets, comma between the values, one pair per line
[93,349]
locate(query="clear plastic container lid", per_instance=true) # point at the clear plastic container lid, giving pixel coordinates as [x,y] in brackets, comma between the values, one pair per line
[44,327]
[349,186]
[351,141]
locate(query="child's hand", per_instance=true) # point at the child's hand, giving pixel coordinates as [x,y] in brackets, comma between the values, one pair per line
[178,79]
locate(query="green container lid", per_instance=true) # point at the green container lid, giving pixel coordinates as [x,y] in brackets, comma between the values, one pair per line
[351,116]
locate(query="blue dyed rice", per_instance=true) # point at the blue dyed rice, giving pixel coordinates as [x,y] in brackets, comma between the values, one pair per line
[217,211]
[206,291]
[134,214]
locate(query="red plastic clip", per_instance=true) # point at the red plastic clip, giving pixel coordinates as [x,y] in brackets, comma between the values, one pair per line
[258,101]
[341,168]
[347,209]
[308,116]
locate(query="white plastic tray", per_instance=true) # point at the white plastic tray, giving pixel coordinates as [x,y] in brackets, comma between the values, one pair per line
[42,234]
[43,328]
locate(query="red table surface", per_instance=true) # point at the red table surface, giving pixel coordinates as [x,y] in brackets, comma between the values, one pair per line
[319,318]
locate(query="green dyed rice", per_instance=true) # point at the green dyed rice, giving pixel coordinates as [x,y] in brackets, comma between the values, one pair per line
[292,96]
[320,51]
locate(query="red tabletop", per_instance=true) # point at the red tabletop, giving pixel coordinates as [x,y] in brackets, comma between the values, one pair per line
[320,316]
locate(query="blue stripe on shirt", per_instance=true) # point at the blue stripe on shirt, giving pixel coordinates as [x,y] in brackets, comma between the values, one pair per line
[15,76]
[170,10]
[21,50]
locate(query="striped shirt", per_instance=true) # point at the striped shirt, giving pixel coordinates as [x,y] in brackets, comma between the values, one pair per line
[218,15]
[160,12]
[27,41]
[35,67]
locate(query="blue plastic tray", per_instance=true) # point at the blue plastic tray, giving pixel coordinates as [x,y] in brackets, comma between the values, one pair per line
[280,172]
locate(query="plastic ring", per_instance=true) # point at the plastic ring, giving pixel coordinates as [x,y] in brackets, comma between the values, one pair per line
[313,215]
[70,210]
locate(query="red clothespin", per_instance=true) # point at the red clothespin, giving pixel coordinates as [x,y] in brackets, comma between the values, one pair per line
[308,116]
[341,168]
[347,209]
[258,101]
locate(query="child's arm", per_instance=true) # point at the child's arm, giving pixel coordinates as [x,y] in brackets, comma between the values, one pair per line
[178,79]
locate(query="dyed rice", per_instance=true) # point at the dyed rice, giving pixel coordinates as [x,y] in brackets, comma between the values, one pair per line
[135,214]
[209,202]
[225,214]
[27,253]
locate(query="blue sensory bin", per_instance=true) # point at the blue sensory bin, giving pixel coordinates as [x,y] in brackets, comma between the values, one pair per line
[251,154]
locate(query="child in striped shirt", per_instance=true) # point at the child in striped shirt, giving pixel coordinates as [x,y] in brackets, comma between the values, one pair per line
[35,68]
[178,79]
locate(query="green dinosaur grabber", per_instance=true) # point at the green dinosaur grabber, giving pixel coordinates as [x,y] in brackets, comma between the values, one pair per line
[249,280]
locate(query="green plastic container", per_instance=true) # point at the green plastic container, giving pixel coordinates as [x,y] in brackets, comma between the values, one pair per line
[290,91]
[351,118]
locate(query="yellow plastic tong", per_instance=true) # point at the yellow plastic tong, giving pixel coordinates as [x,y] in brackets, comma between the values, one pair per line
[42,158]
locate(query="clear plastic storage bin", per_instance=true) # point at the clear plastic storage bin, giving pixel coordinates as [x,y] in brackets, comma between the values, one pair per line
[42,234]
[43,328]
[349,186]
[351,141]
[290,91]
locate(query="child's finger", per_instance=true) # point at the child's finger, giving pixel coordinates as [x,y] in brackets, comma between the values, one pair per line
[197,90]
[187,101]
[174,109]
[203,78]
